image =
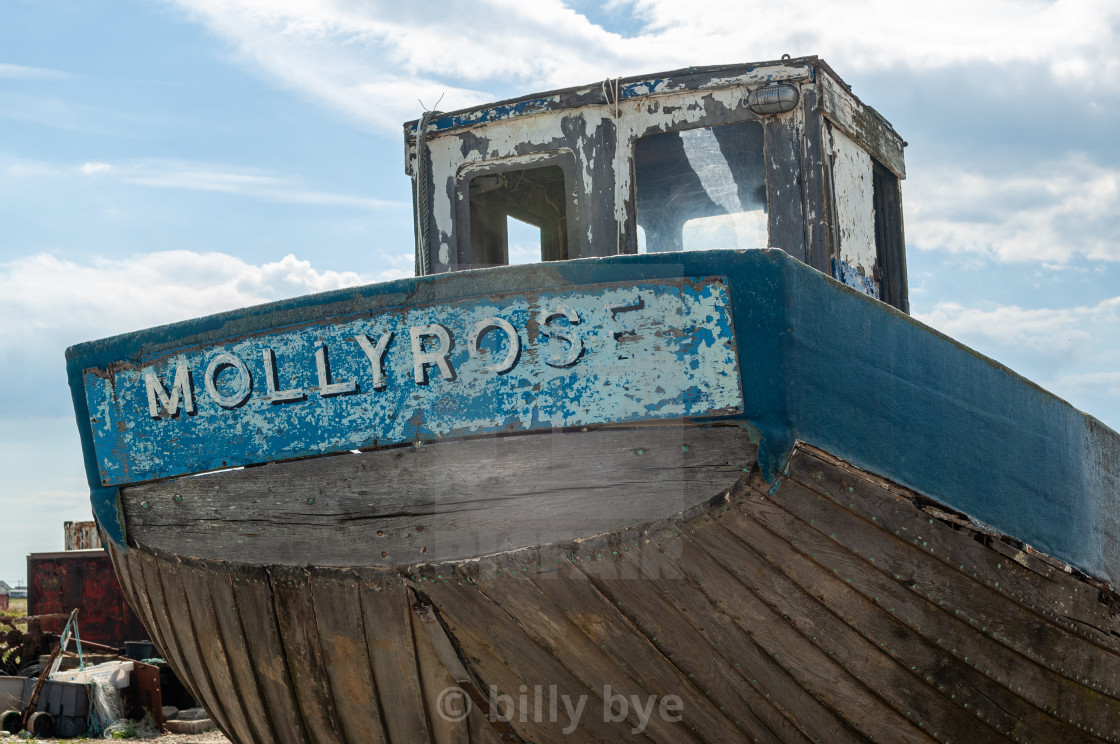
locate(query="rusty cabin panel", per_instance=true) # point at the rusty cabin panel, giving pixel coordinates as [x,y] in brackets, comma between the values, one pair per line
[81,536]
[82,579]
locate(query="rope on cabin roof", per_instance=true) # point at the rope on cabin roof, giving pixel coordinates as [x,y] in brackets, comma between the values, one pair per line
[420,173]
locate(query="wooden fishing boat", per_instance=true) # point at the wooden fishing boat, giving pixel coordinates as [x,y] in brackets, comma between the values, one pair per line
[632,491]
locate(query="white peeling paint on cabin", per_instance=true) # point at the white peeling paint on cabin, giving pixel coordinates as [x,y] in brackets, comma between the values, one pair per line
[853,190]
[508,139]
[820,177]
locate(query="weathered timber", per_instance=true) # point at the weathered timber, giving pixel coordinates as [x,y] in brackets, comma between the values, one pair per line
[229,628]
[294,608]
[861,122]
[742,678]
[387,629]
[786,215]
[816,196]
[910,563]
[775,614]
[198,650]
[552,627]
[434,680]
[450,501]
[251,597]
[1062,597]
[195,576]
[338,619]
[155,609]
[477,621]
[869,655]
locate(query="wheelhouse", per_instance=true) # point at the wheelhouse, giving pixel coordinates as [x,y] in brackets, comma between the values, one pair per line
[773,154]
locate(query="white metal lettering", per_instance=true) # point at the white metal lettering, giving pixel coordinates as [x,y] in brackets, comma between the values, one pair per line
[421,358]
[326,387]
[575,343]
[274,395]
[376,355]
[513,346]
[244,380]
[181,391]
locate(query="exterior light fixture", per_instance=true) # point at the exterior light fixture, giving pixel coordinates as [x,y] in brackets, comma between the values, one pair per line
[773,99]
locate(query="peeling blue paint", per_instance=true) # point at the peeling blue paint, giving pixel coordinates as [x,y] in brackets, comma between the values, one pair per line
[854,278]
[642,88]
[672,357]
[492,113]
[814,360]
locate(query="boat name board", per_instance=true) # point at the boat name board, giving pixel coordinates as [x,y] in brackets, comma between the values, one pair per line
[553,359]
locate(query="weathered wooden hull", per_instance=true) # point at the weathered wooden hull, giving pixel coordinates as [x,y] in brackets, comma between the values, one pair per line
[656,510]
[832,606]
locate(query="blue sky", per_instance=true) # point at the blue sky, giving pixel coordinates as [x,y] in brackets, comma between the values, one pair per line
[164,160]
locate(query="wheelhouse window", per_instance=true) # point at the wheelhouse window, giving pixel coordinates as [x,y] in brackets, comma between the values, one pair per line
[517,216]
[699,189]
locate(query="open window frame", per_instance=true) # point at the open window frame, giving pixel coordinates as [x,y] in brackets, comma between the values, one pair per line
[559,240]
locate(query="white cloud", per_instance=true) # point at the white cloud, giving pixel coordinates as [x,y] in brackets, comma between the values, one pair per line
[1074,38]
[374,59]
[69,302]
[1053,212]
[1073,352]
[201,176]
[1050,330]
[23,72]
[1106,382]
[244,182]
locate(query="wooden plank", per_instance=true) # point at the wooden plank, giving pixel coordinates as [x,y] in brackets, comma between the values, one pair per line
[188,610]
[435,684]
[807,662]
[195,576]
[818,212]
[155,606]
[252,594]
[1001,617]
[227,620]
[388,634]
[785,196]
[948,657]
[398,506]
[145,678]
[336,597]
[862,123]
[563,630]
[742,678]
[128,574]
[948,694]
[475,622]
[1060,597]
[295,617]
[624,647]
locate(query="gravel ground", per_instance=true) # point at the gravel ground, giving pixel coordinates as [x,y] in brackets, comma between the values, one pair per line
[210,737]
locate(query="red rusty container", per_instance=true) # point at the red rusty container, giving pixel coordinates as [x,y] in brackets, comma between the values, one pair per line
[82,579]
